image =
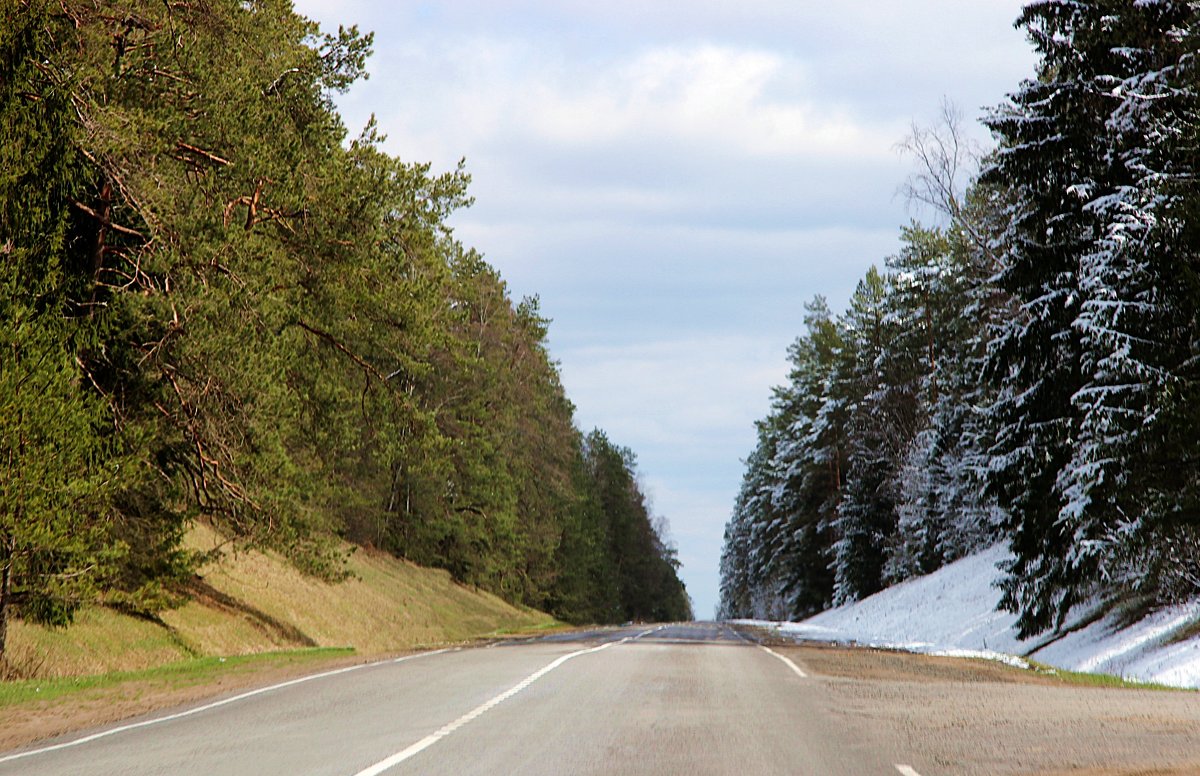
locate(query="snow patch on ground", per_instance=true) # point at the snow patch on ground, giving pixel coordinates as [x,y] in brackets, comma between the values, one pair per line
[952,612]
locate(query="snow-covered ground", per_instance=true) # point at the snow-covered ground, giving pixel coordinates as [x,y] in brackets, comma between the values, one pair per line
[953,612]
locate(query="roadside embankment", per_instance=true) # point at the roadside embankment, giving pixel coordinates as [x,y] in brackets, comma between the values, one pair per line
[253,618]
[252,602]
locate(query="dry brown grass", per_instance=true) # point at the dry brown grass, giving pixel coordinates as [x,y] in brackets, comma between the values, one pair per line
[251,602]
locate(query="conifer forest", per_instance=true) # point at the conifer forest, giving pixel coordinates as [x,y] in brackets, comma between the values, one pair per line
[218,306]
[1024,372]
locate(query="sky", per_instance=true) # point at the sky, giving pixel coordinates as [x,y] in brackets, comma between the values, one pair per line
[675,179]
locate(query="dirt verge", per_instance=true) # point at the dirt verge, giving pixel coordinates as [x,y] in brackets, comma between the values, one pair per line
[973,717]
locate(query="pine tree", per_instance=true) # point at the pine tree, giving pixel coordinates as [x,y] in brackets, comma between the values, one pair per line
[940,516]
[66,457]
[880,424]
[809,462]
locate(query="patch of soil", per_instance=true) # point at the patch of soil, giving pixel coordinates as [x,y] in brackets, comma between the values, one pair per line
[1121,772]
[954,717]
[888,665]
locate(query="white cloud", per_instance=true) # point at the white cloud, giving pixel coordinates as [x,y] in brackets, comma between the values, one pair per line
[717,97]
[700,101]
[687,397]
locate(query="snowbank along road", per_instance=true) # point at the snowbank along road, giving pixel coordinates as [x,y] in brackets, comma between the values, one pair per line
[671,699]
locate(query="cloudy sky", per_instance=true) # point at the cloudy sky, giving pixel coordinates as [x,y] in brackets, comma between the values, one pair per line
[675,179]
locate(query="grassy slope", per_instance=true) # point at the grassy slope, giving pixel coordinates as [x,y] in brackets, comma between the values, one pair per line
[253,602]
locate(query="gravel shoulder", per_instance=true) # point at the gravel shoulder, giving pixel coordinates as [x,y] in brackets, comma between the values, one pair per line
[980,717]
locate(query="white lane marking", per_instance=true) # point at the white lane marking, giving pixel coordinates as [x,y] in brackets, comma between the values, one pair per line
[907,770]
[446,730]
[786,661]
[645,633]
[795,668]
[215,704]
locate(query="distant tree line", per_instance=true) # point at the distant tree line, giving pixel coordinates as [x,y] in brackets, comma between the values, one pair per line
[213,307]
[1028,373]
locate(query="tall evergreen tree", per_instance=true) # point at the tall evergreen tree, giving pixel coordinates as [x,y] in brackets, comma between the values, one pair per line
[940,515]
[1095,342]
[1138,313]
[72,461]
[878,428]
[809,461]
[1046,158]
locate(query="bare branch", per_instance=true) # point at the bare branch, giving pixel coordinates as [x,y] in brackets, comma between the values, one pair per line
[276,83]
[104,221]
[209,155]
[945,160]
[332,340]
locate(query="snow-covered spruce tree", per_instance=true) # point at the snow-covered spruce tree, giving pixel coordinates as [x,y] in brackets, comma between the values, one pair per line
[969,430]
[1046,156]
[1061,369]
[1137,317]
[735,556]
[747,564]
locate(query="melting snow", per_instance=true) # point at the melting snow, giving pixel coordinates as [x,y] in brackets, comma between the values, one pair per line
[952,612]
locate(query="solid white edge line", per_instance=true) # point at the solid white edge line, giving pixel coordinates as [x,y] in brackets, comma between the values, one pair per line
[907,770]
[445,730]
[786,661]
[213,705]
[795,668]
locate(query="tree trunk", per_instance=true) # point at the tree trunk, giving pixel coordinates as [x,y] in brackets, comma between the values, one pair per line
[5,595]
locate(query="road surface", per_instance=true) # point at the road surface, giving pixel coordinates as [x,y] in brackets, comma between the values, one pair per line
[678,699]
[687,699]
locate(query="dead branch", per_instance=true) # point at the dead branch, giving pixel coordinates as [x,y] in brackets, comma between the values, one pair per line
[207,465]
[253,206]
[332,340]
[90,378]
[171,76]
[276,83]
[108,222]
[197,151]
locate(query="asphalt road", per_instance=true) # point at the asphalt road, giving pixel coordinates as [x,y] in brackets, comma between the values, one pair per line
[686,699]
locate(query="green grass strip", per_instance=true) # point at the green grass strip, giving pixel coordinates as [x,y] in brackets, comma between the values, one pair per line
[1100,680]
[187,673]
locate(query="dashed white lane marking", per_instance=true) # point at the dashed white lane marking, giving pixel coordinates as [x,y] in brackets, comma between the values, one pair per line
[907,770]
[214,705]
[483,708]
[795,668]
